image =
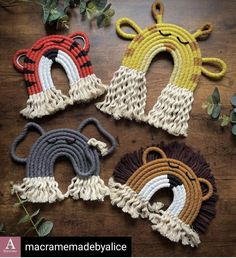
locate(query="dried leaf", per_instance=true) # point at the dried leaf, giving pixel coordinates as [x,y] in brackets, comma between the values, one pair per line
[45,228]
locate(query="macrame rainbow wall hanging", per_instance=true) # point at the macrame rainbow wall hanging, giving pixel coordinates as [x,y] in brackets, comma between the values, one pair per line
[39,185]
[44,98]
[139,175]
[127,93]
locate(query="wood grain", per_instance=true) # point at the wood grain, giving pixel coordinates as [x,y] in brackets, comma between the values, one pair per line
[22,25]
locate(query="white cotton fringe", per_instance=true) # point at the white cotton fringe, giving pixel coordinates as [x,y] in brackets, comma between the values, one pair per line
[171,112]
[87,88]
[89,188]
[124,197]
[175,229]
[45,103]
[126,96]
[39,189]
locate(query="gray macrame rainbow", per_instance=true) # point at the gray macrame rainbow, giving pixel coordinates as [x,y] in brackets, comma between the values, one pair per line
[39,185]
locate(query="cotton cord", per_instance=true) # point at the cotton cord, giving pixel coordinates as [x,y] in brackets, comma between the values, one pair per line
[44,98]
[127,94]
[40,185]
[132,189]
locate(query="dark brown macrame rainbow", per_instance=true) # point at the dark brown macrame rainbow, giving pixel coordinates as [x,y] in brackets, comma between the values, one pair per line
[130,162]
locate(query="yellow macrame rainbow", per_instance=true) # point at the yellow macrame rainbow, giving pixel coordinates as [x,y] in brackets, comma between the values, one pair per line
[188,66]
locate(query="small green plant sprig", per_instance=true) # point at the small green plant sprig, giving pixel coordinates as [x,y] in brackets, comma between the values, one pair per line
[41,227]
[213,106]
[57,12]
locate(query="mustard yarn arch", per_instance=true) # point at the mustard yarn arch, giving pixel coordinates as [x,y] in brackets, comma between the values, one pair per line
[126,97]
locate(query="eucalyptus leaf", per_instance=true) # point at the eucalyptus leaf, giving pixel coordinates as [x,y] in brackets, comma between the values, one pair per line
[234,130]
[210,109]
[216,96]
[1,227]
[82,6]
[24,219]
[233,100]
[107,7]
[216,111]
[35,213]
[100,20]
[46,13]
[233,116]
[225,121]
[100,4]
[209,99]
[45,228]
[110,12]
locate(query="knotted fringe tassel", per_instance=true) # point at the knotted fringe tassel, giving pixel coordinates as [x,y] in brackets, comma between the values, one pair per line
[171,112]
[39,189]
[126,96]
[174,229]
[124,197]
[90,188]
[87,88]
[45,103]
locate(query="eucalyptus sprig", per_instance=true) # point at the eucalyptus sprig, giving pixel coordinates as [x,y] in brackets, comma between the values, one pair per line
[213,106]
[41,227]
[57,12]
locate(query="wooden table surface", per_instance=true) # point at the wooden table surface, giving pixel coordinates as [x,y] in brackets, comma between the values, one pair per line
[22,25]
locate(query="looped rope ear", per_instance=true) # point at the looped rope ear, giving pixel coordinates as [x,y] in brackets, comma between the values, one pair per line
[204,32]
[16,58]
[100,145]
[210,188]
[84,37]
[153,149]
[130,23]
[158,11]
[21,137]
[216,62]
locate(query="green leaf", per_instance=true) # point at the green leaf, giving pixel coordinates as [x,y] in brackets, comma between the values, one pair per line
[24,219]
[46,13]
[1,227]
[233,116]
[216,96]
[210,109]
[209,99]
[107,7]
[55,14]
[100,4]
[234,130]
[225,120]
[100,20]
[216,111]
[110,12]
[82,7]
[35,213]
[17,204]
[233,100]
[45,228]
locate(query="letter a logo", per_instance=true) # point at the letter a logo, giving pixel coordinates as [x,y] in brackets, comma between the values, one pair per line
[10,245]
